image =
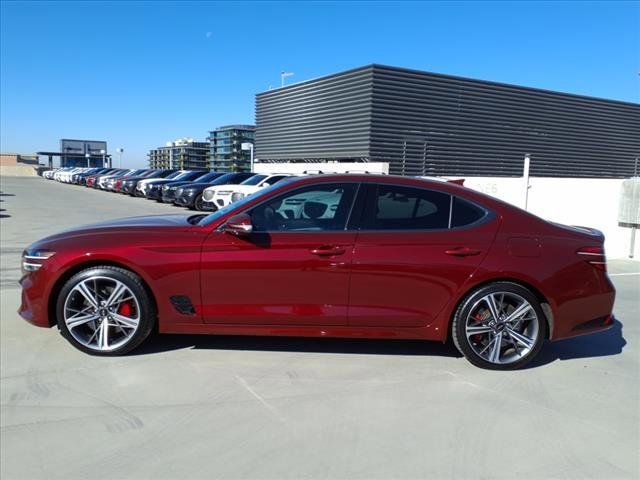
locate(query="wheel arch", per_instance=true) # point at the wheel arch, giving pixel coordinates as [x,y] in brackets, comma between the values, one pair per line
[545,304]
[71,271]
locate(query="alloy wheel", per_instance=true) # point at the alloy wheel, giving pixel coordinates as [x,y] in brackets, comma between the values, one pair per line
[101,313]
[502,328]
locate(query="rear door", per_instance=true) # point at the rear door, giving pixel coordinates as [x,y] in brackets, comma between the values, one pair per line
[415,249]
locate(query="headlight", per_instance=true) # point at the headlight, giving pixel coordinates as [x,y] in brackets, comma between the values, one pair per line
[237,196]
[207,195]
[179,192]
[188,193]
[32,260]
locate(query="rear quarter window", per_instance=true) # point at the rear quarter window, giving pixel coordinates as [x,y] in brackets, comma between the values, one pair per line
[465,213]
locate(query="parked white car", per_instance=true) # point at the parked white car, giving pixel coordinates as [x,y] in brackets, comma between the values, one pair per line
[220,196]
[64,174]
[102,182]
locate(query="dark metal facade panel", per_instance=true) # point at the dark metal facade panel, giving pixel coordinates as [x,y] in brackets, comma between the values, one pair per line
[431,124]
[324,119]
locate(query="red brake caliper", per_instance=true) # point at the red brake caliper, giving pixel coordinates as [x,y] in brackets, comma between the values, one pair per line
[125,309]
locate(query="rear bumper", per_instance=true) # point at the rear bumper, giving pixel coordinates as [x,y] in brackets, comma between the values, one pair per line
[586,313]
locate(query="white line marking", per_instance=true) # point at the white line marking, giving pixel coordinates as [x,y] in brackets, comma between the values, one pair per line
[259,398]
[623,274]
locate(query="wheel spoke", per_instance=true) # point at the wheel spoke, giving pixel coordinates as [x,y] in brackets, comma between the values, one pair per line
[494,355]
[122,300]
[86,293]
[125,321]
[493,308]
[473,330]
[116,293]
[521,339]
[518,312]
[103,335]
[77,321]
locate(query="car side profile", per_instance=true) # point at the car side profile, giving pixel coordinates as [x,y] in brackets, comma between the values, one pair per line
[328,256]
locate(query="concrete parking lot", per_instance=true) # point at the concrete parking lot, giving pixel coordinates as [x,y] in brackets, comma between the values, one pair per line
[280,408]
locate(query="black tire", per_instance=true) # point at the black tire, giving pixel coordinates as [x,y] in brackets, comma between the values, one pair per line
[197,204]
[465,345]
[133,282]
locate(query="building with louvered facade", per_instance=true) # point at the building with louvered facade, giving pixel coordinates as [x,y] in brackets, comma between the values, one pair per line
[439,125]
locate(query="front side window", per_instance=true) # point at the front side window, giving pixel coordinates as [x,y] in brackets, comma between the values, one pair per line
[323,207]
[395,207]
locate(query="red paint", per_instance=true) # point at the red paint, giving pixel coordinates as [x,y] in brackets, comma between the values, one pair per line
[348,283]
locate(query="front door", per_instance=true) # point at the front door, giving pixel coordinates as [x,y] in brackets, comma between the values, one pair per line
[292,270]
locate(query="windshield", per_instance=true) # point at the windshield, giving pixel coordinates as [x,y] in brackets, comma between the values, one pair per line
[175,175]
[208,177]
[256,179]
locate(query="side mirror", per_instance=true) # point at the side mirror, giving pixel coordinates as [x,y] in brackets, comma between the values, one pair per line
[239,225]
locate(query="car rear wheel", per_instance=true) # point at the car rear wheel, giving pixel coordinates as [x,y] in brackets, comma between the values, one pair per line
[500,326]
[105,310]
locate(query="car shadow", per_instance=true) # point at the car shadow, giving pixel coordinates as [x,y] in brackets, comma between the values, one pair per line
[166,342]
[600,344]
[607,343]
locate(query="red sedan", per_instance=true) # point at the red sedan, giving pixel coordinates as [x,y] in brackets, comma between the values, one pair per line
[328,256]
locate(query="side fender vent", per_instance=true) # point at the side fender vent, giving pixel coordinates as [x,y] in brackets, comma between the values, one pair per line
[183,304]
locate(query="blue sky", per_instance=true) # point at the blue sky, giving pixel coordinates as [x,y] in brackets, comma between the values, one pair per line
[140,74]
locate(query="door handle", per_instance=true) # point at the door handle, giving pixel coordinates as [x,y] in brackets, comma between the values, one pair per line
[327,250]
[462,252]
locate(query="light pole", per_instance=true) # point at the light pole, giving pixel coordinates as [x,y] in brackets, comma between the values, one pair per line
[103,152]
[87,156]
[120,150]
[248,146]
[284,75]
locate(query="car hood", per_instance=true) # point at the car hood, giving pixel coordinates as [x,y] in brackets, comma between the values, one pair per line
[122,225]
[191,185]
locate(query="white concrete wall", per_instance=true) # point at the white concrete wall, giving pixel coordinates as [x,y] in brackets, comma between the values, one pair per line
[572,201]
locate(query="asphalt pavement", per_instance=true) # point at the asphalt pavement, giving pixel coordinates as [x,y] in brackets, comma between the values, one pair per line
[285,408]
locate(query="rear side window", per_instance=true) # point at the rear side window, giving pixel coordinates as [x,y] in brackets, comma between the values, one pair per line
[465,213]
[396,207]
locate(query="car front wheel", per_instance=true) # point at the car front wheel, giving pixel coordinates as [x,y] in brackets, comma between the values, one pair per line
[500,326]
[198,203]
[105,310]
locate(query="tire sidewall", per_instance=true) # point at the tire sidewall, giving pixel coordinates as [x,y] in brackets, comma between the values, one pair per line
[458,325]
[133,282]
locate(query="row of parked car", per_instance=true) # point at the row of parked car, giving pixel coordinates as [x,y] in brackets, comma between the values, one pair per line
[194,189]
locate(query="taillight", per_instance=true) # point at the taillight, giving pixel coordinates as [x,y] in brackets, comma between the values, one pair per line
[594,256]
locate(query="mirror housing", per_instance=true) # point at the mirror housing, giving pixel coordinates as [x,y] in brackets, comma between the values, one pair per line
[239,225]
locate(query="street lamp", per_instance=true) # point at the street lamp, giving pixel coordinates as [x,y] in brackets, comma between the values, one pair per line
[284,75]
[103,152]
[248,146]
[120,150]
[87,156]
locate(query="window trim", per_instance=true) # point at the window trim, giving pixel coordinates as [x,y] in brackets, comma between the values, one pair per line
[371,188]
[357,191]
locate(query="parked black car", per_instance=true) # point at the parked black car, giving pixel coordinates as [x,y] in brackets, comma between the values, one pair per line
[154,189]
[190,196]
[169,189]
[128,186]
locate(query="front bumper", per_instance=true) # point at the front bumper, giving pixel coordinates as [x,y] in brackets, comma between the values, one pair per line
[33,305]
[209,206]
